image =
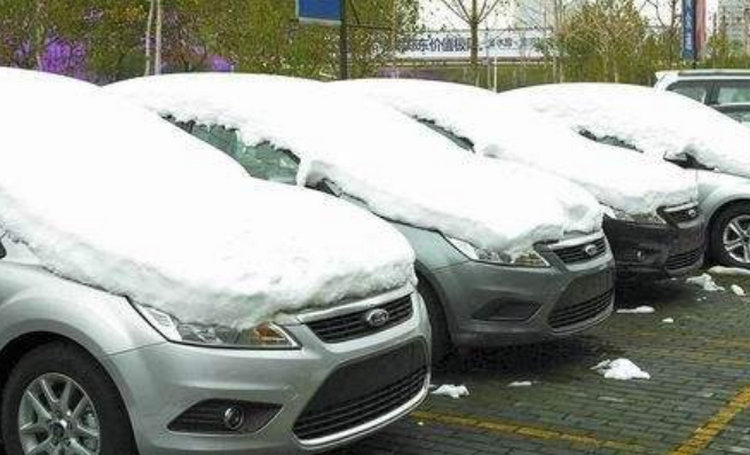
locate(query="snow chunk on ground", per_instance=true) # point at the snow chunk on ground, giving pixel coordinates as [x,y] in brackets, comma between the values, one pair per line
[668,320]
[520,384]
[107,194]
[453,391]
[662,125]
[737,290]
[644,309]
[706,282]
[621,369]
[616,177]
[397,168]
[722,270]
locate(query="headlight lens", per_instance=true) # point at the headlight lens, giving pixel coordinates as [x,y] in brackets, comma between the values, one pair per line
[641,218]
[264,336]
[528,258]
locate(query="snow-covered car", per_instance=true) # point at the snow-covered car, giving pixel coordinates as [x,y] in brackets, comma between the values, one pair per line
[666,126]
[652,221]
[156,300]
[505,254]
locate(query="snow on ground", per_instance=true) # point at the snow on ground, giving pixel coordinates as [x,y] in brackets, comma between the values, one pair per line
[722,270]
[107,194]
[621,369]
[453,391]
[644,309]
[659,124]
[737,290]
[520,384]
[706,282]
[399,169]
[668,320]
[616,177]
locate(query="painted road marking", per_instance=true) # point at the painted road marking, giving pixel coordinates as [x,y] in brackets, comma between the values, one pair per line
[704,434]
[521,429]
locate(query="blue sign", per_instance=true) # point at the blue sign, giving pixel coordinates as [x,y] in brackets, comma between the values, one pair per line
[688,30]
[320,11]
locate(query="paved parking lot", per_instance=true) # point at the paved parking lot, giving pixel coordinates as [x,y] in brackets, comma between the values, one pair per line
[695,402]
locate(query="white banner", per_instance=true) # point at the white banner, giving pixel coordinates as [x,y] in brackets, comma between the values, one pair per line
[455,44]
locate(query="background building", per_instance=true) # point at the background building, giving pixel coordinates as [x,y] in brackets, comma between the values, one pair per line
[735,16]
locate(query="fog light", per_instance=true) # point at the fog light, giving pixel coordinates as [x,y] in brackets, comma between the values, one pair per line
[224,417]
[234,418]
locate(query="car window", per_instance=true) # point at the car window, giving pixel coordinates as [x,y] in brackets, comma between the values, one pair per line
[696,91]
[734,92]
[460,141]
[263,160]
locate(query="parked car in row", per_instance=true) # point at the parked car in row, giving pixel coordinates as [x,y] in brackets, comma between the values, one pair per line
[727,91]
[652,222]
[505,254]
[156,299]
[665,126]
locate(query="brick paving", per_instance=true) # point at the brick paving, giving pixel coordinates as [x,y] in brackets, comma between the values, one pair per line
[694,403]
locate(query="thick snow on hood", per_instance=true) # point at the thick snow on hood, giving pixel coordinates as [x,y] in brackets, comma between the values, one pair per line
[110,195]
[660,124]
[618,178]
[398,168]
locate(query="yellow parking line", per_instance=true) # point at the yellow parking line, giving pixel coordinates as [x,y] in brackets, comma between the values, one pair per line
[520,429]
[704,434]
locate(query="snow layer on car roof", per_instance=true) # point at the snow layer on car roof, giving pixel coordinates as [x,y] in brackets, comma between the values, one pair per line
[659,124]
[108,194]
[399,169]
[618,178]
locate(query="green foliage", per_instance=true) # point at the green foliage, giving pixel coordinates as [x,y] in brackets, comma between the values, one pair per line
[255,35]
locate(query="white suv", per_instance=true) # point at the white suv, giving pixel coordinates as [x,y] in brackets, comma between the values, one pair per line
[728,91]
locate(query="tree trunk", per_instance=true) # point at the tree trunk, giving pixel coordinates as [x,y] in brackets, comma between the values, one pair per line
[159,20]
[474,26]
[149,26]
[39,36]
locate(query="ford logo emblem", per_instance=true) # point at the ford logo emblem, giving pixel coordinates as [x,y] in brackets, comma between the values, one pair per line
[692,213]
[377,317]
[591,250]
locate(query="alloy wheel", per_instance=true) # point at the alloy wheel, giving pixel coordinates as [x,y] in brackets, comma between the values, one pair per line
[57,417]
[736,238]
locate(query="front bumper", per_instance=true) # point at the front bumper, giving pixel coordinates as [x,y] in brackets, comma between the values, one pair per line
[655,251]
[490,305]
[160,382]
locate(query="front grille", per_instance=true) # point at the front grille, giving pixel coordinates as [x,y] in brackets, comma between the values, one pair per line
[355,325]
[578,253]
[364,391]
[682,260]
[572,314]
[682,216]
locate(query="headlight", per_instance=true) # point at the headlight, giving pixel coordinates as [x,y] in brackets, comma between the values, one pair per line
[640,218]
[263,336]
[528,258]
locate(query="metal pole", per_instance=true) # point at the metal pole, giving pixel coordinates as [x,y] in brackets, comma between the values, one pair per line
[343,44]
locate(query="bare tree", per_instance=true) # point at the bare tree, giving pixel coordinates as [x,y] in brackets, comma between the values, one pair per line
[472,13]
[149,26]
[159,21]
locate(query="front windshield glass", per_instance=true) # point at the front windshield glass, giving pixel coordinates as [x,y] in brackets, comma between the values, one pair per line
[460,141]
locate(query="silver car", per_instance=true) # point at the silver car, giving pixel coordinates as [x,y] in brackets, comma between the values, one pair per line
[88,367]
[92,367]
[474,298]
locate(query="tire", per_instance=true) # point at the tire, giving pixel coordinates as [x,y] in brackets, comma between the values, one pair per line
[441,337]
[61,367]
[725,227]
